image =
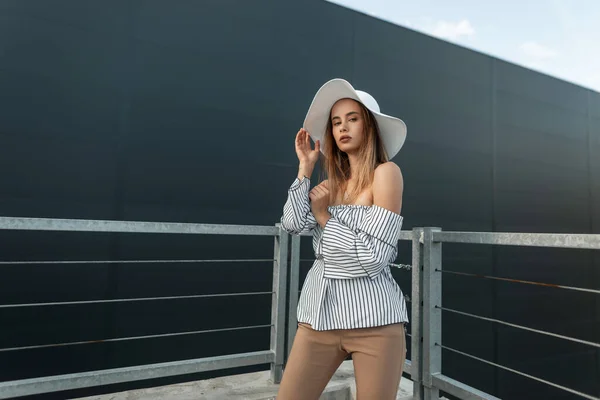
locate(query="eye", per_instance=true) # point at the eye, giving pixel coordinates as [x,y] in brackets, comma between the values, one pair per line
[353,119]
[336,123]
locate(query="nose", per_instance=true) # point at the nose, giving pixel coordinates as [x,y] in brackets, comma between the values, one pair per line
[343,127]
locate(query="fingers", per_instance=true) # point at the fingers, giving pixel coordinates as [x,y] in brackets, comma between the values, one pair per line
[306,139]
[300,138]
[320,190]
[323,186]
[303,141]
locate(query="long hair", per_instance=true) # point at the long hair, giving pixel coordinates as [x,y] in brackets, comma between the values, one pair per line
[371,154]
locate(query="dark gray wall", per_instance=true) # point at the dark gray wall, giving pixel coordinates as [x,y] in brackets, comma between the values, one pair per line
[146,110]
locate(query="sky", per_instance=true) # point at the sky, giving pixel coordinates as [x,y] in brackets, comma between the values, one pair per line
[560,38]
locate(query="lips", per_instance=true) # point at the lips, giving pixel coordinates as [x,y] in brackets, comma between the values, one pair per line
[345,139]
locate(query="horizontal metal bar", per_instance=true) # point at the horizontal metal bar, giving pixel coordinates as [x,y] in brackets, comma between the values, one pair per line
[85,225]
[584,395]
[408,367]
[597,345]
[42,346]
[407,267]
[563,240]
[459,389]
[199,296]
[520,281]
[57,383]
[54,262]
[406,235]
[402,235]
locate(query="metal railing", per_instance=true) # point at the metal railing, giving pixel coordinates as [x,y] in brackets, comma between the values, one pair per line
[427,254]
[424,367]
[273,356]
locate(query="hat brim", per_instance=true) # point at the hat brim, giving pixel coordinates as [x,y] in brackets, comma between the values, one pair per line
[392,130]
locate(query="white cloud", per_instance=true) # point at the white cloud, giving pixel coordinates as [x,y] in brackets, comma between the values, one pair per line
[562,42]
[538,57]
[453,30]
[537,51]
[442,29]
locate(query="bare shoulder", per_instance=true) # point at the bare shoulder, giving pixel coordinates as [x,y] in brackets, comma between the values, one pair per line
[388,173]
[388,185]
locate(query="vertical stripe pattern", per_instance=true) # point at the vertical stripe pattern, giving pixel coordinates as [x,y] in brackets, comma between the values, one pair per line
[350,284]
[297,217]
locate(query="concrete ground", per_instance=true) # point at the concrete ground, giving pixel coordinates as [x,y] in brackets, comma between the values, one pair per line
[252,386]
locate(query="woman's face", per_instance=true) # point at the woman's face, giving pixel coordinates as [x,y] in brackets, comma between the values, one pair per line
[347,125]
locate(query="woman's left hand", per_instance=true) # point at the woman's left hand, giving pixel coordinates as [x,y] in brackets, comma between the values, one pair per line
[319,201]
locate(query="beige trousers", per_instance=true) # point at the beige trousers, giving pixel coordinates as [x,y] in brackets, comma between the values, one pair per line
[378,356]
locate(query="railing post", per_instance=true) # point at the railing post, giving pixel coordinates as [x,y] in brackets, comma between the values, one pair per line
[432,314]
[294,289]
[416,353]
[278,304]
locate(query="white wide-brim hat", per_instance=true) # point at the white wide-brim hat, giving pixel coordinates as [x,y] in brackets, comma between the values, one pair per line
[392,131]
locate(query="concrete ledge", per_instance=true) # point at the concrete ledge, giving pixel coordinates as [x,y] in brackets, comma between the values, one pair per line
[252,386]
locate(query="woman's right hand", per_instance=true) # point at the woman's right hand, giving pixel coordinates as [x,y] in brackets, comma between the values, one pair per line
[307,156]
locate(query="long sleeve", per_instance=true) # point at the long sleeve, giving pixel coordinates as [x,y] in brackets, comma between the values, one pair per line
[363,252]
[297,217]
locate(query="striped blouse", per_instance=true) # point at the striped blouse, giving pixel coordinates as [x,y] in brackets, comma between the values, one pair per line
[350,284]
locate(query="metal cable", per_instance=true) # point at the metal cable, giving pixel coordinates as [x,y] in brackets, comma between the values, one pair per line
[63,303]
[520,281]
[584,395]
[597,345]
[129,261]
[134,338]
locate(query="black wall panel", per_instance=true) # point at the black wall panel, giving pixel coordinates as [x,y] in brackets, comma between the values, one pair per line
[142,110]
[594,174]
[542,185]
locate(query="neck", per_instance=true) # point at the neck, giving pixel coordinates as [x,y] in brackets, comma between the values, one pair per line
[353,159]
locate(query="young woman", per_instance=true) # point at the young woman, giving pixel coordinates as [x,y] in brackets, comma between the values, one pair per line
[350,304]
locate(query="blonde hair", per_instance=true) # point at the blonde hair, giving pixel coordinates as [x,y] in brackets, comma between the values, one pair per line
[337,166]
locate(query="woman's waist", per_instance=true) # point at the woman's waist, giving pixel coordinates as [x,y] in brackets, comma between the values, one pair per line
[383,282]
